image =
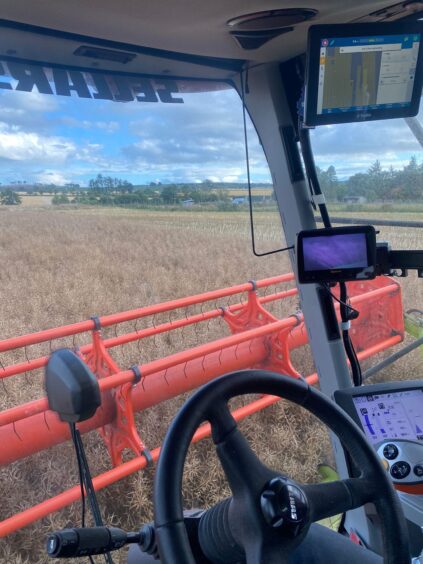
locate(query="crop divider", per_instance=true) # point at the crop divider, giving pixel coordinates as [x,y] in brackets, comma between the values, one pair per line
[121,433]
[253,314]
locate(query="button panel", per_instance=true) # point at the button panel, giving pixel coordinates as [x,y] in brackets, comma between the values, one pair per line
[390,451]
[418,470]
[400,470]
[403,460]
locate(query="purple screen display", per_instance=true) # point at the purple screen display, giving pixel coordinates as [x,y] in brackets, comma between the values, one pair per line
[335,251]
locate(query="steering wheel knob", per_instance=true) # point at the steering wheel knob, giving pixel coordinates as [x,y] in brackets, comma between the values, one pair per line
[284,506]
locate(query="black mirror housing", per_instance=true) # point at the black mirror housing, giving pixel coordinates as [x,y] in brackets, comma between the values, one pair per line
[72,389]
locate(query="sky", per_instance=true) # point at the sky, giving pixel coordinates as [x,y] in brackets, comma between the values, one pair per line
[57,139]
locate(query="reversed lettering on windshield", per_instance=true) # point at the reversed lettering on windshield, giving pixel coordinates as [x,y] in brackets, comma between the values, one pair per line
[62,82]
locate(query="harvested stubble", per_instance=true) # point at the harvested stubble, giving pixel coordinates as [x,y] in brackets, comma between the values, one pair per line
[61,266]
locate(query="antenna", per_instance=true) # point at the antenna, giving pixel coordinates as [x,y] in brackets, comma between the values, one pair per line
[244,89]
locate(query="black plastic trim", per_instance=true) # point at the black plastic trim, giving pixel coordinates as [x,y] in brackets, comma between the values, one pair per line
[292,153]
[214,62]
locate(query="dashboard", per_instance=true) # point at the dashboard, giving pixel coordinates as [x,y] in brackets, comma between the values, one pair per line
[391,416]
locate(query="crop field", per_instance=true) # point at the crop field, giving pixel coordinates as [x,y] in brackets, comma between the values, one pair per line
[60,266]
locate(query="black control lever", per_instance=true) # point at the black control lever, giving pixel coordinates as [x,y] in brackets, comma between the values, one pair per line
[71,543]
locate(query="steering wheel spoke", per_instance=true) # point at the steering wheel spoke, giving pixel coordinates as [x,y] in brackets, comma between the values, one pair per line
[331,498]
[243,469]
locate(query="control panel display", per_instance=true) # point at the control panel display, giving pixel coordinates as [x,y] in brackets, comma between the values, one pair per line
[363,71]
[395,415]
[391,416]
[336,254]
[370,72]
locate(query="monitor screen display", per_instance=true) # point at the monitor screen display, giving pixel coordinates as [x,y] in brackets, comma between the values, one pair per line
[362,72]
[370,72]
[393,415]
[335,251]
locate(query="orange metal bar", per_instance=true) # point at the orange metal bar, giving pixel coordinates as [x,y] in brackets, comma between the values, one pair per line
[34,364]
[113,319]
[379,347]
[67,497]
[42,430]
[298,335]
[38,406]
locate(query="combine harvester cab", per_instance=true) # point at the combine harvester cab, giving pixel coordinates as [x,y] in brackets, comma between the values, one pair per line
[360,62]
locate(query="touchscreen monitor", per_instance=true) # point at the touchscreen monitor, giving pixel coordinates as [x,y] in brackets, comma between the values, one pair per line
[391,415]
[336,254]
[361,72]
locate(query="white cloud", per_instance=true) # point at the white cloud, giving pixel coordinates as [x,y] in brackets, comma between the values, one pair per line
[27,147]
[35,102]
[52,177]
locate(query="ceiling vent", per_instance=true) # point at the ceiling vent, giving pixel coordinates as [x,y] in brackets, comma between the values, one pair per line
[409,10]
[251,31]
[102,54]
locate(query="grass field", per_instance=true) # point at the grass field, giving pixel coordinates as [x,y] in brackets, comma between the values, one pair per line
[60,266]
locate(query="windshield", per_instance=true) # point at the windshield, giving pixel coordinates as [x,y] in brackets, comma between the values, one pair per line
[111,206]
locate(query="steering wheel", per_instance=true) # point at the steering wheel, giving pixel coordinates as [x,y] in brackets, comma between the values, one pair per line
[269,514]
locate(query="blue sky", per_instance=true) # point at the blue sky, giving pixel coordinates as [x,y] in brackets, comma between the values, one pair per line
[56,139]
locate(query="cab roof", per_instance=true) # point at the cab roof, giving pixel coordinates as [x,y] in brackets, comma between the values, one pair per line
[180,38]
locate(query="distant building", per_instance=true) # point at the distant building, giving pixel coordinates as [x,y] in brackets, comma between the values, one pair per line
[238,200]
[355,199]
[187,203]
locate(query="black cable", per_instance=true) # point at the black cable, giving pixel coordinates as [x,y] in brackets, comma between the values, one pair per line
[81,481]
[310,166]
[86,475]
[85,480]
[247,158]
[352,313]
[349,348]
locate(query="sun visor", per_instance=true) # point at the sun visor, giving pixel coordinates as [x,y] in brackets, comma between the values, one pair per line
[59,63]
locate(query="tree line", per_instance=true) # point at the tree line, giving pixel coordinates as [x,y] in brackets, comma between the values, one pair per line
[169,194]
[377,184]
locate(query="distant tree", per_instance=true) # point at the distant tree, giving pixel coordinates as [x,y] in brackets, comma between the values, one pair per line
[60,199]
[170,194]
[329,183]
[360,185]
[10,198]
[379,180]
[411,180]
[127,186]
